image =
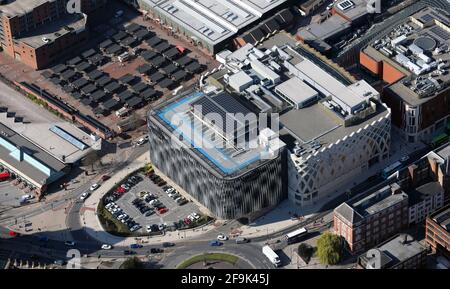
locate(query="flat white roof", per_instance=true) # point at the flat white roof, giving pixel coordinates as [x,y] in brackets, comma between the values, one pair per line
[213,20]
[296,90]
[321,80]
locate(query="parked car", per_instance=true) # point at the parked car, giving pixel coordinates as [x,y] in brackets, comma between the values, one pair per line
[215,243]
[27,197]
[94,187]
[161,227]
[168,244]
[195,215]
[149,213]
[141,141]
[135,228]
[163,210]
[170,190]
[148,228]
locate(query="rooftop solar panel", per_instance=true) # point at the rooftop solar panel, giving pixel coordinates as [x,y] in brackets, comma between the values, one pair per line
[441,33]
[426,18]
[68,137]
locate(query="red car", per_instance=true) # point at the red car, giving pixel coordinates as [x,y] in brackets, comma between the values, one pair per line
[162,210]
[187,221]
[120,190]
[105,178]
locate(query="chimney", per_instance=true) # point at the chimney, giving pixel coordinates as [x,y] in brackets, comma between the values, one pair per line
[396,189]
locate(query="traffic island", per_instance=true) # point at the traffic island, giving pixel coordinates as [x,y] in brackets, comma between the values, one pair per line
[213,261]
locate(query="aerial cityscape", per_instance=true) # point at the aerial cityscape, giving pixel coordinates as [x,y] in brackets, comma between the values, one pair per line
[225,134]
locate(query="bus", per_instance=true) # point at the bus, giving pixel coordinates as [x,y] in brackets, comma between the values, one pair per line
[295,236]
[439,140]
[390,170]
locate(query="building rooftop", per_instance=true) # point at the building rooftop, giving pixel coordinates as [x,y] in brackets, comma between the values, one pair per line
[218,152]
[396,250]
[20,7]
[442,218]
[35,161]
[53,30]
[420,193]
[351,9]
[419,48]
[212,20]
[379,201]
[348,213]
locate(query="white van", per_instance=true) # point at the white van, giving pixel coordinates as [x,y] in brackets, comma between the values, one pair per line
[124,57]
[122,112]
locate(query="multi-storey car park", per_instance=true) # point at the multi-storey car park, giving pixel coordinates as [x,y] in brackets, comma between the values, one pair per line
[334,128]
[230,180]
[414,61]
[37,32]
[210,24]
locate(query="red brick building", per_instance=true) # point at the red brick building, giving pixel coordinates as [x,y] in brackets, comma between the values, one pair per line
[372,219]
[36,32]
[416,79]
[437,230]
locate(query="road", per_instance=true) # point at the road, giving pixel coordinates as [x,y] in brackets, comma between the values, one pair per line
[87,245]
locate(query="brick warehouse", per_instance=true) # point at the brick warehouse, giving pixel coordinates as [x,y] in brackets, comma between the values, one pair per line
[36,32]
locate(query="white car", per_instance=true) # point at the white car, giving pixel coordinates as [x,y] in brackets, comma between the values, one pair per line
[106,247]
[171,195]
[109,205]
[84,196]
[135,228]
[170,190]
[222,237]
[27,197]
[94,187]
[161,227]
[195,215]
[141,141]
[121,217]
[148,228]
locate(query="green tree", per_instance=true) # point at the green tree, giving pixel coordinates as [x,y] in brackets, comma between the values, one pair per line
[132,263]
[305,251]
[329,248]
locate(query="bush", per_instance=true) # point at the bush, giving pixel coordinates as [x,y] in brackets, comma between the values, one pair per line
[305,251]
[132,263]
[329,248]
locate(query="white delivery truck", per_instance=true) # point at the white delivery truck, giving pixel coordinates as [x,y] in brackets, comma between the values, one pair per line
[271,255]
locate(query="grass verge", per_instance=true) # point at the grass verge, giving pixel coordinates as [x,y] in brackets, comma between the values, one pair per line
[208,257]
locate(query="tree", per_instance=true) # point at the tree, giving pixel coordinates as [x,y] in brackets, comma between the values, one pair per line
[132,263]
[329,248]
[305,251]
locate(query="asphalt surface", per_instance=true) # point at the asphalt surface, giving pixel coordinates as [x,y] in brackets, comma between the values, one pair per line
[88,246]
